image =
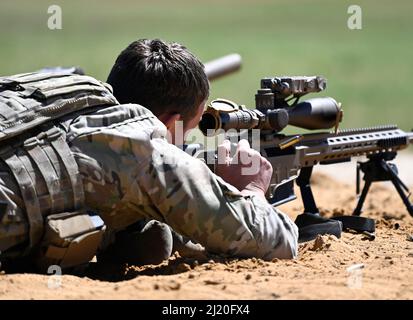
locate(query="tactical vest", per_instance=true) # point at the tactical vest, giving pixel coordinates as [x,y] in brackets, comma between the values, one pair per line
[35,150]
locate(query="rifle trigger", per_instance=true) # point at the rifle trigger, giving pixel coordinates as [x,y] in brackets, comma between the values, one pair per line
[290,141]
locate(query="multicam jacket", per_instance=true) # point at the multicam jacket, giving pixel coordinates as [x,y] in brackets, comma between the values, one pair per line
[131,172]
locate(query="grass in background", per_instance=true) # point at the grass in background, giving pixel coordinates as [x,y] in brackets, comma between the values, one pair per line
[370,70]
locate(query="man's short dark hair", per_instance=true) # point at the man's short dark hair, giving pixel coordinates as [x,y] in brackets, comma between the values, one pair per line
[163,77]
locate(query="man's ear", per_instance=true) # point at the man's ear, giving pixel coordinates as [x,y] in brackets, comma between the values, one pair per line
[169,119]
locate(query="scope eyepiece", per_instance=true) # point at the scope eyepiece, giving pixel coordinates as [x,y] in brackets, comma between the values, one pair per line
[208,123]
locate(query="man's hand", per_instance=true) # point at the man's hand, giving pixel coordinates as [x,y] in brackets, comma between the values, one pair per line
[248,171]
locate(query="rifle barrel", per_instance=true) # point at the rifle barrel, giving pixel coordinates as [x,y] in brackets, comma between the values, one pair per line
[217,68]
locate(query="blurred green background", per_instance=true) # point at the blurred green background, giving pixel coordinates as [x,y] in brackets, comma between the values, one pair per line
[370,70]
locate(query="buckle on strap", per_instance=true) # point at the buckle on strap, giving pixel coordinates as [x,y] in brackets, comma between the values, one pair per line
[53,133]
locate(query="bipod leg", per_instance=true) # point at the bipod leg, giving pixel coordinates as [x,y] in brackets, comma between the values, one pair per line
[310,224]
[357,210]
[303,181]
[400,187]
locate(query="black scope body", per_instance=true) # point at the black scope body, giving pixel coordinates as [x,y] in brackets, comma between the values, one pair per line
[316,113]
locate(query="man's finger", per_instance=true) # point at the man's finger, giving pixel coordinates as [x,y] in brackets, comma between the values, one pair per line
[243,145]
[224,152]
[244,152]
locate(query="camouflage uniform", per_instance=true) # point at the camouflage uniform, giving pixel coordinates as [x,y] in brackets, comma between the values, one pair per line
[131,172]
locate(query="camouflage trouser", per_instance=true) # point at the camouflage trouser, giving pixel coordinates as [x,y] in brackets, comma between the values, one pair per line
[14,226]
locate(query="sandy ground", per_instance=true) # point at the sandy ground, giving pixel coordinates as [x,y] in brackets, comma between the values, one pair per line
[321,271]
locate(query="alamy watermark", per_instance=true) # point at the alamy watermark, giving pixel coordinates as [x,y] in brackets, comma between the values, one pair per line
[54,22]
[248,157]
[354,21]
[355,276]
[55,280]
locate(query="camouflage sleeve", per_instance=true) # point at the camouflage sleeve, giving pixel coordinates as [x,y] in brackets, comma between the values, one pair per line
[200,205]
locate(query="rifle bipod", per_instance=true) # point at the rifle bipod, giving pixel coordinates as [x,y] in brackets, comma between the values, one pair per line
[376,168]
[310,223]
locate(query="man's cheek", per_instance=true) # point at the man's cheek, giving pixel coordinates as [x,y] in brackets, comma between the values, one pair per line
[188,137]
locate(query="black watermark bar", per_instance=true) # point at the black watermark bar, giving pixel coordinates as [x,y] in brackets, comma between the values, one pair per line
[206,309]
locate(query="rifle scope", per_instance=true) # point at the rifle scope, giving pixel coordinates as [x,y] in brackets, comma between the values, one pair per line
[316,113]
[273,112]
